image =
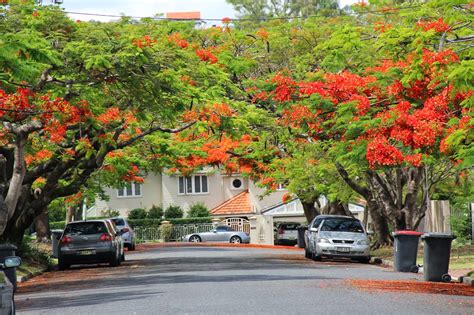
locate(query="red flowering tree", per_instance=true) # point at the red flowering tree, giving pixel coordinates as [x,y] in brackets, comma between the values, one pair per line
[82,105]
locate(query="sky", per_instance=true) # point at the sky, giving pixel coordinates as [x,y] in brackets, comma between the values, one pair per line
[208,8]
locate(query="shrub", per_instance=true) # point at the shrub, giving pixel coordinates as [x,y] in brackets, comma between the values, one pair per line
[56,211]
[31,251]
[198,210]
[190,220]
[155,212]
[165,232]
[58,225]
[144,222]
[137,213]
[173,212]
[110,213]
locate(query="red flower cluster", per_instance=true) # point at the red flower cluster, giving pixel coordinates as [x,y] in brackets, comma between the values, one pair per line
[178,40]
[145,41]
[439,25]
[206,55]
[381,153]
[285,87]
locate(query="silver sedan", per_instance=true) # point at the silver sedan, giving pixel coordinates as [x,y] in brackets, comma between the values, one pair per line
[219,234]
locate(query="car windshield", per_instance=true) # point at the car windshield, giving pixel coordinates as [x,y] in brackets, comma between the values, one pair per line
[86,228]
[119,222]
[342,225]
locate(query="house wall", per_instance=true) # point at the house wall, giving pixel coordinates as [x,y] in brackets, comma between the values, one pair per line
[259,204]
[219,191]
[151,195]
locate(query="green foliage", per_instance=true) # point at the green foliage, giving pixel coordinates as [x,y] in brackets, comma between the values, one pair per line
[137,214]
[165,232]
[157,222]
[198,210]
[173,212]
[56,210]
[155,212]
[144,223]
[29,250]
[58,225]
[110,213]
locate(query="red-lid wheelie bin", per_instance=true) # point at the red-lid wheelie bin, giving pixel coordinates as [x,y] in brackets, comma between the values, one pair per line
[406,248]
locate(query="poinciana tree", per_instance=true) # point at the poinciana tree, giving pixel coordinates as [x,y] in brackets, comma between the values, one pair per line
[75,96]
[395,120]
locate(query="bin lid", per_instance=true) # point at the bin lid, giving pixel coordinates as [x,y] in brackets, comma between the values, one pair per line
[405,232]
[438,235]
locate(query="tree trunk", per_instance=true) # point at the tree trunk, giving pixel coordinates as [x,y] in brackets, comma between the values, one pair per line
[42,227]
[382,232]
[310,210]
[337,208]
[70,213]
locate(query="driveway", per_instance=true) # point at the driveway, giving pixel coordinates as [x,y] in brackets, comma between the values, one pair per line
[214,280]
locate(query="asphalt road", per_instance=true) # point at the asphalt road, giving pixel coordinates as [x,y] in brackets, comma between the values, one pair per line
[212,280]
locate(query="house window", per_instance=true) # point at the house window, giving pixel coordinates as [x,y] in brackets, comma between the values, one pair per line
[130,190]
[193,185]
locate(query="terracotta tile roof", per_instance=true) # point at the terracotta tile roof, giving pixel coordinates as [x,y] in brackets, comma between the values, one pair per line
[239,204]
[196,15]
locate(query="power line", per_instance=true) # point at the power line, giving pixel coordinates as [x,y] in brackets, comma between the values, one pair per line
[237,19]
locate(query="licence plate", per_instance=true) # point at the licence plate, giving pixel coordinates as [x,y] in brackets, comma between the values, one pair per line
[343,249]
[87,252]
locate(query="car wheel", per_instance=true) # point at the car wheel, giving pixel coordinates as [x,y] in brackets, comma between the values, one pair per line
[315,257]
[235,240]
[62,265]
[13,309]
[365,260]
[114,262]
[195,239]
[307,254]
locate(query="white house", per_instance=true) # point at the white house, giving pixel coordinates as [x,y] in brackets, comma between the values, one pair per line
[225,195]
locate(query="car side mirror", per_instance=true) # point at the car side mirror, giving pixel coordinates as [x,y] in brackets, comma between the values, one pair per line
[313,229]
[11,262]
[370,232]
[214,231]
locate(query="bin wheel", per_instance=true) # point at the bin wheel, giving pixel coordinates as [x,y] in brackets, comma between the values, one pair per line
[414,269]
[307,254]
[446,278]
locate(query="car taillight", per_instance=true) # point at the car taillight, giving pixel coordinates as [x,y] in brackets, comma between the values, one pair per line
[125,230]
[105,237]
[65,240]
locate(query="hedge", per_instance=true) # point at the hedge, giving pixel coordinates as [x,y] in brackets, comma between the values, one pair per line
[142,222]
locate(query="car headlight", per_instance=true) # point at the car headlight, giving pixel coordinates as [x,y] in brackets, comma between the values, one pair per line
[323,240]
[363,242]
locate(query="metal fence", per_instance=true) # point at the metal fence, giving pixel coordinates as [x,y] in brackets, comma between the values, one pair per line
[144,234]
[183,229]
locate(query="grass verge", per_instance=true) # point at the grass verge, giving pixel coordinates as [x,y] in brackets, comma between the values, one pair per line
[461,258]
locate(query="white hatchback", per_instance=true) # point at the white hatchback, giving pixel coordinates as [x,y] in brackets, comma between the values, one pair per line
[337,236]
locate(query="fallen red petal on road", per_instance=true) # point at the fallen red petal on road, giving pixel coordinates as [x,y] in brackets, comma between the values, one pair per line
[413,286]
